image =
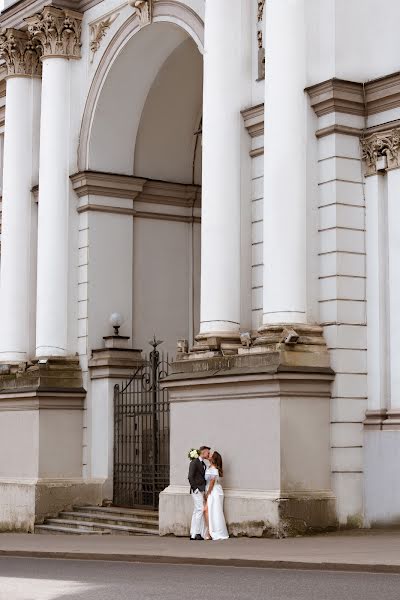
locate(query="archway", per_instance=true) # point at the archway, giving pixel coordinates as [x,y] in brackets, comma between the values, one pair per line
[143,121]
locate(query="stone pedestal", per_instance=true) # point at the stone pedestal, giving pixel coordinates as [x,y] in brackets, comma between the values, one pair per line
[267,410]
[41,426]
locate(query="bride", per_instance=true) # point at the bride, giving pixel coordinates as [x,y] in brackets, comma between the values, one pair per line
[215,526]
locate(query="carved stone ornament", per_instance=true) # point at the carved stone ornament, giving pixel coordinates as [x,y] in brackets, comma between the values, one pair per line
[144,9]
[57,31]
[21,54]
[260,9]
[98,30]
[385,144]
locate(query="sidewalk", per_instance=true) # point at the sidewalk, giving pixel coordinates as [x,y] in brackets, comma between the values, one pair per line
[375,551]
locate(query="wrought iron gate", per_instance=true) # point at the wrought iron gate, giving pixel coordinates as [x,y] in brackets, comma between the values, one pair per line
[141,434]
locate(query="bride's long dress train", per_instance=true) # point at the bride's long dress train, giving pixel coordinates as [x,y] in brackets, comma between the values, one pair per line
[216,520]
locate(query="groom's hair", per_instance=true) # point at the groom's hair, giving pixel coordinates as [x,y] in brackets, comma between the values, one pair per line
[204,448]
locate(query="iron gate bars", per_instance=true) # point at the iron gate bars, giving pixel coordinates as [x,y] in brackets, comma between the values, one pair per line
[141,434]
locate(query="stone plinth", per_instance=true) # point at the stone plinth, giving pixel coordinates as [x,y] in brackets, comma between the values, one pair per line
[41,424]
[268,412]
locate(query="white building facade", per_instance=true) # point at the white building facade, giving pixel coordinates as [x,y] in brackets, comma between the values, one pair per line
[224,173]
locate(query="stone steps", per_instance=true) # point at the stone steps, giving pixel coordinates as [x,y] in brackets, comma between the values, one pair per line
[102,520]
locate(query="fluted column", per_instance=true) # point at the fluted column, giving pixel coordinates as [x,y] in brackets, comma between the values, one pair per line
[222,125]
[284,248]
[19,175]
[58,33]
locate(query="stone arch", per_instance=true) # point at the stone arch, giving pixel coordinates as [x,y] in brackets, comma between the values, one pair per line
[170,12]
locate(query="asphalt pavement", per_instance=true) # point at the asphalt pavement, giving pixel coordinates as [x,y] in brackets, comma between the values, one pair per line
[44,579]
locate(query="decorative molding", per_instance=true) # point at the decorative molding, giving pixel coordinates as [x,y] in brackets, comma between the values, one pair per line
[98,30]
[57,31]
[21,54]
[260,10]
[381,147]
[383,94]
[254,120]
[337,128]
[109,185]
[260,40]
[142,191]
[144,10]
[337,95]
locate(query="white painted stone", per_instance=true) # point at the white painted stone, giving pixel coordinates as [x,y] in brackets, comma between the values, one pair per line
[350,410]
[285,196]
[222,129]
[344,435]
[18,236]
[340,311]
[349,361]
[345,169]
[340,192]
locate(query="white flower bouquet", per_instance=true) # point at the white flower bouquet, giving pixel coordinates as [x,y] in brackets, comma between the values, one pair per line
[193,454]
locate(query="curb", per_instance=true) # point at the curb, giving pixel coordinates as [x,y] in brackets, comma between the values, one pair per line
[216,562]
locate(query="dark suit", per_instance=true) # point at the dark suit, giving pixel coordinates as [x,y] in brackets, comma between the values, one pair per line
[197,482]
[196,477]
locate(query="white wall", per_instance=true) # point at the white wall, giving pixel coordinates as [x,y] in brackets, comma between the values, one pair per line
[355,40]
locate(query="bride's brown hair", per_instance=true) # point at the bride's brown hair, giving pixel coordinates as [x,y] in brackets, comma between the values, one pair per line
[216,460]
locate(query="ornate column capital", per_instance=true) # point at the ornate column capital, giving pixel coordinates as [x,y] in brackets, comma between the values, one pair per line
[381,145]
[21,54]
[57,31]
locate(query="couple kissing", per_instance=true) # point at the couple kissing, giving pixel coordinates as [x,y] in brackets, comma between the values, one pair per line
[205,475]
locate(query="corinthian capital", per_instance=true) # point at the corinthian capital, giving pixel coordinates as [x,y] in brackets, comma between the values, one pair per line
[57,31]
[21,54]
[385,144]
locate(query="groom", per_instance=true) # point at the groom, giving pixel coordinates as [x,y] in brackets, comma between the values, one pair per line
[197,482]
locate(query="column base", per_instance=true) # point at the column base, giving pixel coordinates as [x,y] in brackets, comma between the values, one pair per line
[211,345]
[254,513]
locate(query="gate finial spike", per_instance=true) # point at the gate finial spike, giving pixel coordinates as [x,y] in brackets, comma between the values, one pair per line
[155,342]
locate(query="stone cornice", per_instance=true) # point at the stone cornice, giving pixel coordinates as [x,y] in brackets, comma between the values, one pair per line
[254,120]
[337,95]
[57,31]
[109,185]
[381,150]
[20,53]
[15,15]
[94,183]
[383,94]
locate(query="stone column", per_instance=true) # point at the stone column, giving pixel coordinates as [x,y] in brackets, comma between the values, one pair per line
[222,125]
[19,175]
[284,296]
[58,32]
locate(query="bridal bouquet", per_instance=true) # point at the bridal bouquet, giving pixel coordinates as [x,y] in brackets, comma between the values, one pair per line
[193,454]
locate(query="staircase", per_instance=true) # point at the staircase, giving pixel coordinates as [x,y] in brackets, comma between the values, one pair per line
[99,520]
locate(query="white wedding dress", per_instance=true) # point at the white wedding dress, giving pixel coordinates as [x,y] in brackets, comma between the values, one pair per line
[216,520]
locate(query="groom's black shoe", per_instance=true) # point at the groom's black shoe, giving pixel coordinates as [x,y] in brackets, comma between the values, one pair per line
[196,538]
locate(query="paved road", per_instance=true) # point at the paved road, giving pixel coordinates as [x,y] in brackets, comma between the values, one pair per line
[41,579]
